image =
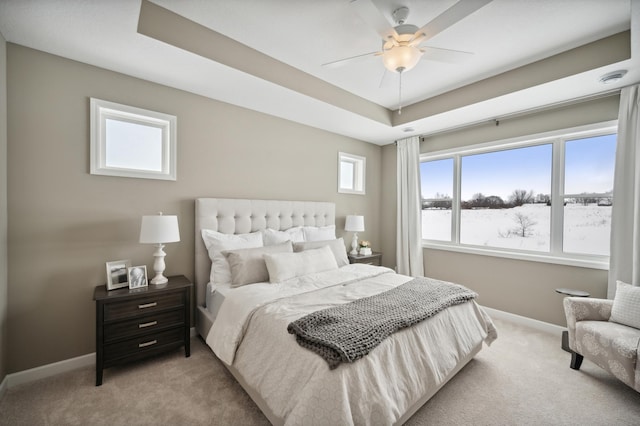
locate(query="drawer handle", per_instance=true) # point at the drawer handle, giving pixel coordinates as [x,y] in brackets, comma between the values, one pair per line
[147,324]
[145,344]
[147,305]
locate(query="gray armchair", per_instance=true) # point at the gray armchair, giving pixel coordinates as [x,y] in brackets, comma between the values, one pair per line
[612,346]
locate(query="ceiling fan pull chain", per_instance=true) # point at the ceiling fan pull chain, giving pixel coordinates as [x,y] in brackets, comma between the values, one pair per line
[400,95]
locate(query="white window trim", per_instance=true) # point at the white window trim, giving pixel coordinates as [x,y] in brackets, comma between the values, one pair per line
[359,173]
[102,110]
[554,255]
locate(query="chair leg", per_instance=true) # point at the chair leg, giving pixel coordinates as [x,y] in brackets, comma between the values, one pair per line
[576,360]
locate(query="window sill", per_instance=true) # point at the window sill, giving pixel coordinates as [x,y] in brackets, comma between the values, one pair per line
[581,262]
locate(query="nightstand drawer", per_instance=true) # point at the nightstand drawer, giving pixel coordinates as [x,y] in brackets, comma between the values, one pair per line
[143,305]
[141,344]
[143,324]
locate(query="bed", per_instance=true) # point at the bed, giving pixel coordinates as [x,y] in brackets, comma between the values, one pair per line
[246,327]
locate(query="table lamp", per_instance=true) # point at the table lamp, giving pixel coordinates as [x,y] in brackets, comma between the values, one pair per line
[159,229]
[354,224]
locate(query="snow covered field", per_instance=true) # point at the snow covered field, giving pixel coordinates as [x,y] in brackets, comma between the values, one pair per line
[586,228]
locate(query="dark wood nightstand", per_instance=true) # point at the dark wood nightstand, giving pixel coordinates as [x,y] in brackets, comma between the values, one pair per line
[134,324]
[374,258]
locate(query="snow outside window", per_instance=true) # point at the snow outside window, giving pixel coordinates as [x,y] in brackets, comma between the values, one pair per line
[545,197]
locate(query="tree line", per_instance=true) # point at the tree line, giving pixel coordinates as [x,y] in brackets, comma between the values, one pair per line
[517,198]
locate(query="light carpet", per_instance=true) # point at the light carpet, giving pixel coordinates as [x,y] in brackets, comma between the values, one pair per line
[522,379]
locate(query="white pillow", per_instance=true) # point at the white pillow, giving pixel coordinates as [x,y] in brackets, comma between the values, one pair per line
[322,233]
[336,246]
[626,305]
[216,242]
[272,237]
[247,265]
[284,266]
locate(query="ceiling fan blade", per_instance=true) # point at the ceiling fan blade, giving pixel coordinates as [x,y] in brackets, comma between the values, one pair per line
[342,61]
[383,79]
[372,16]
[455,13]
[445,55]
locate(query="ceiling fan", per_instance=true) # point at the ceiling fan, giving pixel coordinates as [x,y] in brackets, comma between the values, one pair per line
[401,44]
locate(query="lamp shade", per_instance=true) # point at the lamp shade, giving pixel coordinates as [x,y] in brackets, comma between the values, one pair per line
[159,229]
[354,223]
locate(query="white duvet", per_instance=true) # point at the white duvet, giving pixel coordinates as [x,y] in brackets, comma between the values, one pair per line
[250,333]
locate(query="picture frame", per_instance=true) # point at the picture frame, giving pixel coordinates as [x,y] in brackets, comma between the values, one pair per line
[117,274]
[137,276]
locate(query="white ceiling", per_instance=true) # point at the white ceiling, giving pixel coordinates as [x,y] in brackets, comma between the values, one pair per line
[504,35]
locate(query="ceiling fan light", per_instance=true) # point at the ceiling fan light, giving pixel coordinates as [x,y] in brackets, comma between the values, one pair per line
[401,58]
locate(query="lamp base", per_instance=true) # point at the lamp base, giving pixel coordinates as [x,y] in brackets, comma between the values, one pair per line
[159,280]
[158,266]
[354,244]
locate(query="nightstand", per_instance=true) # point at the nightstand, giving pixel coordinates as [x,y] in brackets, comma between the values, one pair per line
[374,258]
[137,323]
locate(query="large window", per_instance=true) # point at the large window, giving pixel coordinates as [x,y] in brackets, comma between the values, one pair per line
[547,197]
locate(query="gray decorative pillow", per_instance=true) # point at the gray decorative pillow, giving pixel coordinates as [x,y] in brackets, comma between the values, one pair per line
[247,265]
[626,305]
[336,246]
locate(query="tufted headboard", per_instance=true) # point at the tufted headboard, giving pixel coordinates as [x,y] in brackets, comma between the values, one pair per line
[237,216]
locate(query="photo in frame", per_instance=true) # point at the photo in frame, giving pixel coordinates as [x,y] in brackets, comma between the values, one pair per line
[137,276]
[117,274]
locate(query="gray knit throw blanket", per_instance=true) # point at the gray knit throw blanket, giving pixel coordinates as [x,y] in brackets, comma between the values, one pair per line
[348,332]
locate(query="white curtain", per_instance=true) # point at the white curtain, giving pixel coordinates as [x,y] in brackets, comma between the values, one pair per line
[625,216]
[409,232]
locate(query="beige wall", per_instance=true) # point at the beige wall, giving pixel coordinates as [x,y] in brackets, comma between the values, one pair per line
[3,209]
[520,287]
[388,209]
[66,223]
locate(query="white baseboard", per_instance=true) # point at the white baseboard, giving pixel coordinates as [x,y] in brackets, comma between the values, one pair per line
[529,322]
[49,370]
[37,373]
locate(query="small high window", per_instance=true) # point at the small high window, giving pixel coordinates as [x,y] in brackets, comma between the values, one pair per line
[351,173]
[132,142]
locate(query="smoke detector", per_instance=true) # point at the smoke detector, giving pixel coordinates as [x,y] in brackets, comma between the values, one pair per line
[612,77]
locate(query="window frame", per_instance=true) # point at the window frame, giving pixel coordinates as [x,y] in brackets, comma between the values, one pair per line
[557,138]
[359,173]
[102,110]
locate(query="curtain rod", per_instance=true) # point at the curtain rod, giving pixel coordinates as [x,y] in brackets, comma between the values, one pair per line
[528,111]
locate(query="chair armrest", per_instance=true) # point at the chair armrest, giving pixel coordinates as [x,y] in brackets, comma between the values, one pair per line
[587,309]
[584,309]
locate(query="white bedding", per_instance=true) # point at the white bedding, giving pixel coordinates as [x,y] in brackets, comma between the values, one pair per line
[298,387]
[215,296]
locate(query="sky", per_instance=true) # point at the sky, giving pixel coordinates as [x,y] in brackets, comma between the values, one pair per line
[589,165]
[133,146]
